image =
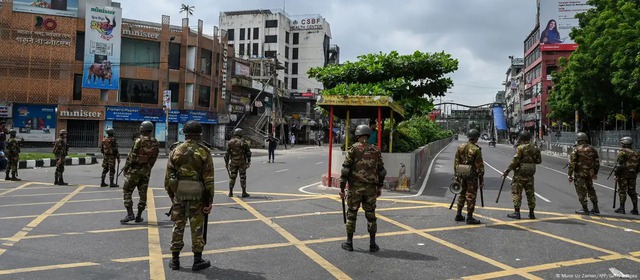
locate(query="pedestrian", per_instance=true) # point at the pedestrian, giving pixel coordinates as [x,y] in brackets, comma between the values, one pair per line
[626,172]
[272,143]
[137,171]
[468,167]
[189,181]
[523,165]
[237,159]
[364,170]
[293,139]
[3,134]
[13,156]
[109,148]
[60,150]
[584,163]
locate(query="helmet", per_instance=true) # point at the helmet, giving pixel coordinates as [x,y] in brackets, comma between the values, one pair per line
[146,126]
[64,131]
[111,131]
[237,132]
[473,134]
[363,129]
[626,140]
[12,132]
[525,135]
[192,128]
[581,136]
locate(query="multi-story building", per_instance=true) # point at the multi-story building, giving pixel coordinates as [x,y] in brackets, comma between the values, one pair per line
[514,86]
[83,68]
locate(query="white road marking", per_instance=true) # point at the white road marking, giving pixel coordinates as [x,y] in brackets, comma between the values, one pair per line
[500,172]
[283,170]
[321,162]
[308,186]
[221,181]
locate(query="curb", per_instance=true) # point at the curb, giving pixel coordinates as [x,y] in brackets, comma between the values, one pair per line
[49,162]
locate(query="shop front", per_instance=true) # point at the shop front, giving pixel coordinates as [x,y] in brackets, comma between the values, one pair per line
[82,124]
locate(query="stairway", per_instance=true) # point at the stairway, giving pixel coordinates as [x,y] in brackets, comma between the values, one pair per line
[252,134]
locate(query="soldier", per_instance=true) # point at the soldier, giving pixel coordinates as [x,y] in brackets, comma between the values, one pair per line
[60,150]
[626,172]
[237,159]
[524,167]
[364,170]
[13,156]
[137,170]
[584,163]
[189,183]
[109,149]
[469,169]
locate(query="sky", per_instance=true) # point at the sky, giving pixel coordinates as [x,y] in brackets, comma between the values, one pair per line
[481,34]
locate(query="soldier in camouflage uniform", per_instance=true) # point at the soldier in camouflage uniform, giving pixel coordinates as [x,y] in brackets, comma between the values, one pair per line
[13,156]
[626,172]
[60,150]
[109,149]
[468,167]
[237,159]
[523,165]
[189,183]
[137,170]
[364,170]
[584,163]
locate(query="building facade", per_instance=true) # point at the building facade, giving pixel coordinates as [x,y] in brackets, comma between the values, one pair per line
[514,88]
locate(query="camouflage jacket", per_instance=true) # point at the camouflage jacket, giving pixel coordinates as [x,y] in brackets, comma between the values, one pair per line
[13,147]
[238,152]
[469,154]
[143,155]
[109,146]
[525,153]
[584,161]
[60,148]
[365,162]
[627,163]
[191,160]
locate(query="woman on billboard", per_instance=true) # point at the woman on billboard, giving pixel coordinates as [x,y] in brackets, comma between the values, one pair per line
[550,35]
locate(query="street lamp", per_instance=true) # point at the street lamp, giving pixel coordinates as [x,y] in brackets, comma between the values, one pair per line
[168,107]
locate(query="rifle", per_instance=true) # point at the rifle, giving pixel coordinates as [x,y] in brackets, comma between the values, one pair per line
[501,186]
[612,170]
[565,166]
[117,168]
[615,190]
[344,212]
[205,197]
[170,210]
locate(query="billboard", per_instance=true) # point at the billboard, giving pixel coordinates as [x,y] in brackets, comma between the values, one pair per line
[35,123]
[101,68]
[67,8]
[557,18]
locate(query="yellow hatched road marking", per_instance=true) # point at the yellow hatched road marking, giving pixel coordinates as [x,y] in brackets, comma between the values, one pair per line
[606,225]
[16,188]
[156,266]
[46,267]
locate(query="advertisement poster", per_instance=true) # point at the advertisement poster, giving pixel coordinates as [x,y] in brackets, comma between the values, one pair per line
[5,110]
[161,131]
[102,47]
[557,18]
[107,124]
[67,8]
[136,114]
[180,133]
[35,123]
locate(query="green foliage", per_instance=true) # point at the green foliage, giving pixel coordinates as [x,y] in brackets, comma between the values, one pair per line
[417,132]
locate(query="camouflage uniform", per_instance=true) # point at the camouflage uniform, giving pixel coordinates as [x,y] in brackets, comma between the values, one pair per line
[626,173]
[109,149]
[469,154]
[60,150]
[526,153]
[141,159]
[584,163]
[238,159]
[13,157]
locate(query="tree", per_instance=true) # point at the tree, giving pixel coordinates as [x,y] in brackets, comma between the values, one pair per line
[412,80]
[603,73]
[188,10]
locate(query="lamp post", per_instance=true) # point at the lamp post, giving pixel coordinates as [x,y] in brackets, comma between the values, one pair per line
[167,108]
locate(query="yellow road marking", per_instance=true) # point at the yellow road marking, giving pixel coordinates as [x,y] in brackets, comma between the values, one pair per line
[336,272]
[605,224]
[624,220]
[46,267]
[15,189]
[53,202]
[234,221]
[46,194]
[156,266]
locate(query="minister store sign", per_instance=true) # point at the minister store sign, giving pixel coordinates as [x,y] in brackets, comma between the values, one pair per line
[81,112]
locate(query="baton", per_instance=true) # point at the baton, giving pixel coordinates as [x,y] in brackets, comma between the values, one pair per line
[118,167]
[344,212]
[500,191]
[615,190]
[453,201]
[481,197]
[170,210]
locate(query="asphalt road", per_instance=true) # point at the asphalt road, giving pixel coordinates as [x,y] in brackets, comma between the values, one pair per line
[291,228]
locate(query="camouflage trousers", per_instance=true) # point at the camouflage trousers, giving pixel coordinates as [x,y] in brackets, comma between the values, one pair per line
[60,166]
[627,186]
[468,194]
[136,181]
[109,165]
[361,194]
[584,188]
[196,223]
[525,183]
[12,164]
[233,173]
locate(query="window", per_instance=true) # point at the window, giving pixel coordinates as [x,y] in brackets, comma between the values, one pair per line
[256,33]
[230,34]
[286,52]
[286,67]
[294,83]
[271,39]
[270,54]
[204,96]
[296,38]
[174,56]
[138,91]
[248,49]
[255,49]
[77,87]
[241,34]
[286,82]
[215,98]
[286,37]
[205,61]
[80,46]
[271,23]
[241,51]
[294,68]
[295,53]
[248,33]
[140,53]
[175,92]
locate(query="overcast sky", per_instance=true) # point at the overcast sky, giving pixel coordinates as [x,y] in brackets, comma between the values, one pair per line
[480,34]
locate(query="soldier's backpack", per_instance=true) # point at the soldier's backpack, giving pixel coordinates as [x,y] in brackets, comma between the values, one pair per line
[187,188]
[148,152]
[528,166]
[586,156]
[107,146]
[465,170]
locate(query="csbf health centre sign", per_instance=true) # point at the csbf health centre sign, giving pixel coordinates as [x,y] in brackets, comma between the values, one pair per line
[102,42]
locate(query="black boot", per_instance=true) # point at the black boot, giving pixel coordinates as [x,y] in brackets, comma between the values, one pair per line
[61,182]
[139,218]
[595,209]
[531,214]
[56,181]
[349,244]
[584,211]
[102,183]
[373,247]
[459,217]
[112,184]
[515,214]
[14,178]
[129,217]
[620,210]
[174,263]
[472,221]
[7,178]
[230,191]
[244,192]
[199,263]
[634,211]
